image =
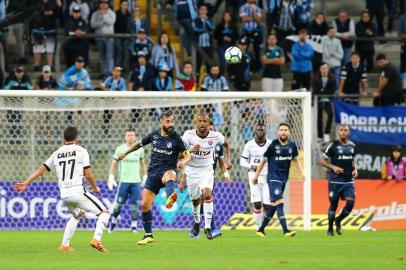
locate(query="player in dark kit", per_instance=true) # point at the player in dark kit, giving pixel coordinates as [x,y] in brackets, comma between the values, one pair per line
[167,145]
[341,177]
[279,155]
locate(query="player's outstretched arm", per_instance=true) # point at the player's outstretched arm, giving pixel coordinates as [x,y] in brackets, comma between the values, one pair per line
[21,187]
[223,168]
[132,148]
[227,152]
[90,178]
[258,171]
[299,168]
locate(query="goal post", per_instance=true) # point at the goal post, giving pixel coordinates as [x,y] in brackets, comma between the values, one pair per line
[31,122]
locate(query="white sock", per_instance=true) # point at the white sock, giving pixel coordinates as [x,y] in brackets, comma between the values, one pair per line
[196,213]
[257,217]
[69,231]
[101,225]
[208,213]
[113,220]
[133,224]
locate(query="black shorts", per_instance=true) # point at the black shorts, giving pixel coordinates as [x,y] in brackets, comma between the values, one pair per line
[154,180]
[341,191]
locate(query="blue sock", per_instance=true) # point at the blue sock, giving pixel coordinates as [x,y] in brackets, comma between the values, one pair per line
[281,217]
[267,218]
[170,187]
[147,222]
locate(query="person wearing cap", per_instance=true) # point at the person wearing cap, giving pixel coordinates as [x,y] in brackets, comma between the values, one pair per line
[138,21]
[142,76]
[83,8]
[240,74]
[76,27]
[46,81]
[114,82]
[102,22]
[141,44]
[122,26]
[163,54]
[395,167]
[163,82]
[76,77]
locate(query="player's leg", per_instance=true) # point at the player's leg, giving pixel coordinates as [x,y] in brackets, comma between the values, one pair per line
[169,180]
[71,225]
[334,197]
[349,196]
[279,204]
[135,195]
[272,185]
[206,186]
[119,201]
[194,193]
[256,202]
[266,199]
[147,200]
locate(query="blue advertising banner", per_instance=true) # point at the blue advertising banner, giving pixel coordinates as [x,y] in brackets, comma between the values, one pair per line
[375,125]
[40,207]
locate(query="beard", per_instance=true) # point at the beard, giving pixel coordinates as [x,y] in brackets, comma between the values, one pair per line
[283,139]
[168,130]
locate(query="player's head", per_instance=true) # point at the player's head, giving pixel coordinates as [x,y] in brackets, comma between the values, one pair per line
[260,130]
[396,152]
[130,136]
[203,122]
[343,132]
[70,134]
[283,132]
[166,120]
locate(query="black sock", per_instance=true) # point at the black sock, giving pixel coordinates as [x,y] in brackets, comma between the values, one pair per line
[147,222]
[331,218]
[281,217]
[346,210]
[269,215]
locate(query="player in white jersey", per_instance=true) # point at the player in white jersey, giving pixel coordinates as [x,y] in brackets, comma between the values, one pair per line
[199,170]
[251,156]
[72,166]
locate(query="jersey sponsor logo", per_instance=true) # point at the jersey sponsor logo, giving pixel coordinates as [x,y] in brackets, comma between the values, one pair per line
[202,153]
[345,157]
[67,154]
[210,142]
[280,158]
[161,151]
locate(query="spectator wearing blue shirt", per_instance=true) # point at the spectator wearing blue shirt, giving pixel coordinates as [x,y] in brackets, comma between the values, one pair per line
[138,21]
[141,44]
[163,82]
[76,77]
[285,19]
[214,81]
[164,55]
[302,55]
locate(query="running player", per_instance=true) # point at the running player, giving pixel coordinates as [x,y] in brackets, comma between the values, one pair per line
[72,165]
[167,145]
[341,177]
[129,174]
[279,155]
[199,171]
[251,156]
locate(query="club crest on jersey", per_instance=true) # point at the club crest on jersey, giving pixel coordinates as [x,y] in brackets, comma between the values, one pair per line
[210,142]
[340,151]
[290,151]
[331,194]
[276,191]
[277,147]
[169,145]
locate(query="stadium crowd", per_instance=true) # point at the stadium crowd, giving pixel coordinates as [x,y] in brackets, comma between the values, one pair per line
[321,55]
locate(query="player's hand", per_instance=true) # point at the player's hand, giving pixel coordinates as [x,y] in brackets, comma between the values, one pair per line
[354,174]
[229,166]
[195,148]
[181,164]
[111,183]
[255,180]
[338,170]
[20,187]
[96,189]
[254,168]
[182,186]
[228,179]
[122,156]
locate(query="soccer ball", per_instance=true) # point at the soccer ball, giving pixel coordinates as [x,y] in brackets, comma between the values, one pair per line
[233,55]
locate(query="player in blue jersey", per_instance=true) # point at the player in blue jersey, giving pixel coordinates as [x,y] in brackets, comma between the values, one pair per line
[167,146]
[279,156]
[341,177]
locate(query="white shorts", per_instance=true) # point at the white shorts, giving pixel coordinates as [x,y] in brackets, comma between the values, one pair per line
[86,202]
[47,47]
[197,179]
[260,191]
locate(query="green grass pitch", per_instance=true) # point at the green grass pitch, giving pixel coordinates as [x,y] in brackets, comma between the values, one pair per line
[235,250]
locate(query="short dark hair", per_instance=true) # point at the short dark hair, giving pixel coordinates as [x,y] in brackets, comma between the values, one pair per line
[130,129]
[303,30]
[283,124]
[260,123]
[354,53]
[380,56]
[330,28]
[165,114]
[70,134]
[187,63]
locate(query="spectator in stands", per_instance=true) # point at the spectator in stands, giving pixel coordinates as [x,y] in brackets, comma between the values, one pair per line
[76,77]
[302,54]
[391,6]
[272,58]
[226,34]
[84,9]
[303,12]
[114,82]
[164,55]
[345,31]
[353,80]
[102,22]
[251,16]
[17,29]
[203,28]
[402,6]
[389,87]
[44,33]
[270,7]
[402,35]
[395,167]
[214,81]
[324,83]
[139,22]
[332,53]
[366,28]
[142,76]
[76,26]
[141,44]
[233,6]
[285,20]
[240,74]
[319,25]
[163,82]
[376,8]
[46,81]
[122,26]
[186,81]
